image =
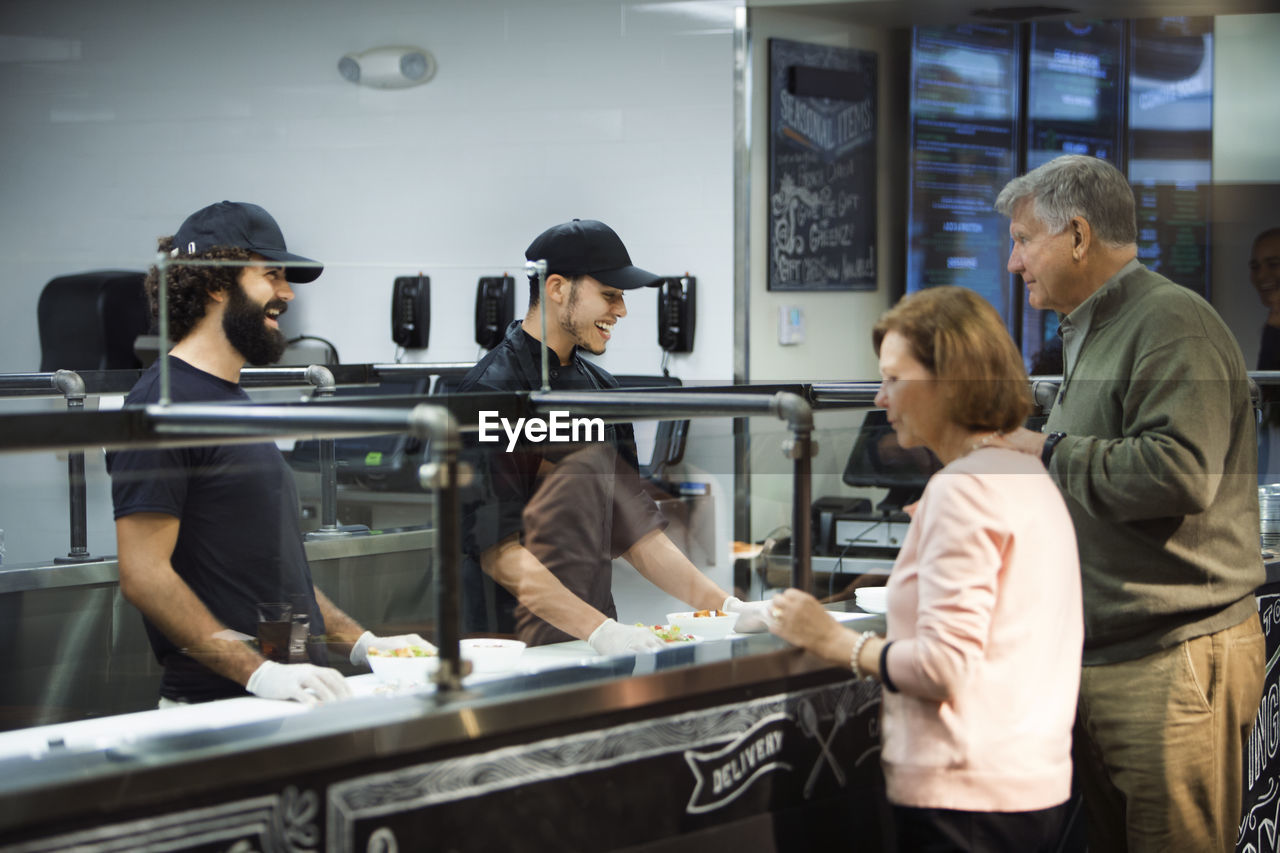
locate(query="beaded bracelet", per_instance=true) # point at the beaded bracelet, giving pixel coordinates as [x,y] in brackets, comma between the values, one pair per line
[857,649]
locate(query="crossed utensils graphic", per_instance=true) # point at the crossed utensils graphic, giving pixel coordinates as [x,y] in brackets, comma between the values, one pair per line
[809,725]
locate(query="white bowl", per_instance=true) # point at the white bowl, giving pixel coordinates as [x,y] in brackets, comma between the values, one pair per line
[704,627]
[397,670]
[489,655]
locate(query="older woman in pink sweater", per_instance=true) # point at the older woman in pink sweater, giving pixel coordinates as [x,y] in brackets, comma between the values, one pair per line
[981,661]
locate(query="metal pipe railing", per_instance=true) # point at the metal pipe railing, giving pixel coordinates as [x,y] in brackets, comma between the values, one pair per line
[419,369]
[322,379]
[313,374]
[72,387]
[69,384]
[39,383]
[792,408]
[863,393]
[444,474]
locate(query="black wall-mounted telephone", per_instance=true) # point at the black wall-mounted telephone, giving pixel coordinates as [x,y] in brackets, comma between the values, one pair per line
[495,309]
[677,311]
[411,311]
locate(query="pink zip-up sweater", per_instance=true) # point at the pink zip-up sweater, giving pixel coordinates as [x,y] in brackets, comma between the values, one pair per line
[985,616]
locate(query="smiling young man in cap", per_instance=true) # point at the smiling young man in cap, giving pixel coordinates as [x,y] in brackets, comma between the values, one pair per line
[546,522]
[205,534]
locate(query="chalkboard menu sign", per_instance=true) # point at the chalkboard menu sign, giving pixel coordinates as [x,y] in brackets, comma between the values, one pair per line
[822,167]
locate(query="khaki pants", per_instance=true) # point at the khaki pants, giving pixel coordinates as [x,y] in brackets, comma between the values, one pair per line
[1159,743]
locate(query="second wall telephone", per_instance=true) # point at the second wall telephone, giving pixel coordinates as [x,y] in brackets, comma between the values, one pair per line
[677,312]
[411,311]
[495,309]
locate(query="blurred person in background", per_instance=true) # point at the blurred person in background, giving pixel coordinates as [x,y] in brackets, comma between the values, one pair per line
[1264,275]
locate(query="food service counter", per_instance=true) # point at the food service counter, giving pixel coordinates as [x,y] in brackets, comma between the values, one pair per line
[743,742]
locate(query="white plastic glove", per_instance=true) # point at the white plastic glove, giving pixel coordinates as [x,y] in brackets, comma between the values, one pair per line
[753,616]
[612,638]
[301,682]
[369,640]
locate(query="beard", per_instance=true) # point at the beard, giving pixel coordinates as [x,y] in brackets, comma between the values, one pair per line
[578,331]
[244,324]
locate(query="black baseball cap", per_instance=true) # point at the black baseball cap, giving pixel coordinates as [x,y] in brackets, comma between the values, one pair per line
[241,225]
[588,247]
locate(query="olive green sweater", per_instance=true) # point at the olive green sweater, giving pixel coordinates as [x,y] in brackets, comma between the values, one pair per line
[1159,469]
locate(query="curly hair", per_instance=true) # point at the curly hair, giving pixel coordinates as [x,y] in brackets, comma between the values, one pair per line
[189,287]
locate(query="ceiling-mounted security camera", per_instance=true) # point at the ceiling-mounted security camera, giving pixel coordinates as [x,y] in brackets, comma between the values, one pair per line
[393,67]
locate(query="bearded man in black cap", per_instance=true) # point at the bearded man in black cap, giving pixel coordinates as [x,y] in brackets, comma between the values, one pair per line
[206,534]
[547,521]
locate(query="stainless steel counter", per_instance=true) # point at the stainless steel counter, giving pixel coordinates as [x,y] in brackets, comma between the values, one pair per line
[75,648]
[24,577]
[67,785]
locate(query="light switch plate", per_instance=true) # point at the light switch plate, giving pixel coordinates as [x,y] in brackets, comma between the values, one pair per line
[790,325]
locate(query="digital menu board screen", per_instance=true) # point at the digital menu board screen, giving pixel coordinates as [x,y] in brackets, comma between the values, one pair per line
[1138,94]
[1171,145]
[1075,97]
[1074,89]
[964,119]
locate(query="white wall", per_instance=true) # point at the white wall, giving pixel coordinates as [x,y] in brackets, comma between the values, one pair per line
[1246,110]
[838,324]
[119,119]
[539,112]
[1246,165]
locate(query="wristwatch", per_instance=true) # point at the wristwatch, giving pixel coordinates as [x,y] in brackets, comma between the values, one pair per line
[1050,442]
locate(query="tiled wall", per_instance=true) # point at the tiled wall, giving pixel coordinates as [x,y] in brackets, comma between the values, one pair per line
[118,119]
[540,111]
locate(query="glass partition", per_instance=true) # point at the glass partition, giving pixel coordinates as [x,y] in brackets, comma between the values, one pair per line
[640,507]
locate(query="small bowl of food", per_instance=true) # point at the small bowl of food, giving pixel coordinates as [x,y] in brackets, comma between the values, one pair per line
[491,655]
[405,665]
[705,624]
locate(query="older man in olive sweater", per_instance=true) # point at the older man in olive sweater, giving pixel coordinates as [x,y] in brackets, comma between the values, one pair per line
[1152,441]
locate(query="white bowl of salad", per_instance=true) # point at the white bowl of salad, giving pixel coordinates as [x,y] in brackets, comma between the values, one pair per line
[405,665]
[705,624]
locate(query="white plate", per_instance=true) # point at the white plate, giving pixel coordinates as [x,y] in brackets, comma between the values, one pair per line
[842,616]
[707,627]
[871,598]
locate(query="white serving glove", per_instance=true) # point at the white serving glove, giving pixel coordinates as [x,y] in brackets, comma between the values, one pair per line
[612,638]
[753,616]
[369,640]
[301,682]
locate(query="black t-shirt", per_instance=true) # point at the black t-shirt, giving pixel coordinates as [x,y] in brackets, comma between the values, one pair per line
[590,503]
[239,541]
[1269,351]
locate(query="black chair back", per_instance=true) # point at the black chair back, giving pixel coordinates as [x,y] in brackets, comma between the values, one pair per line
[89,321]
